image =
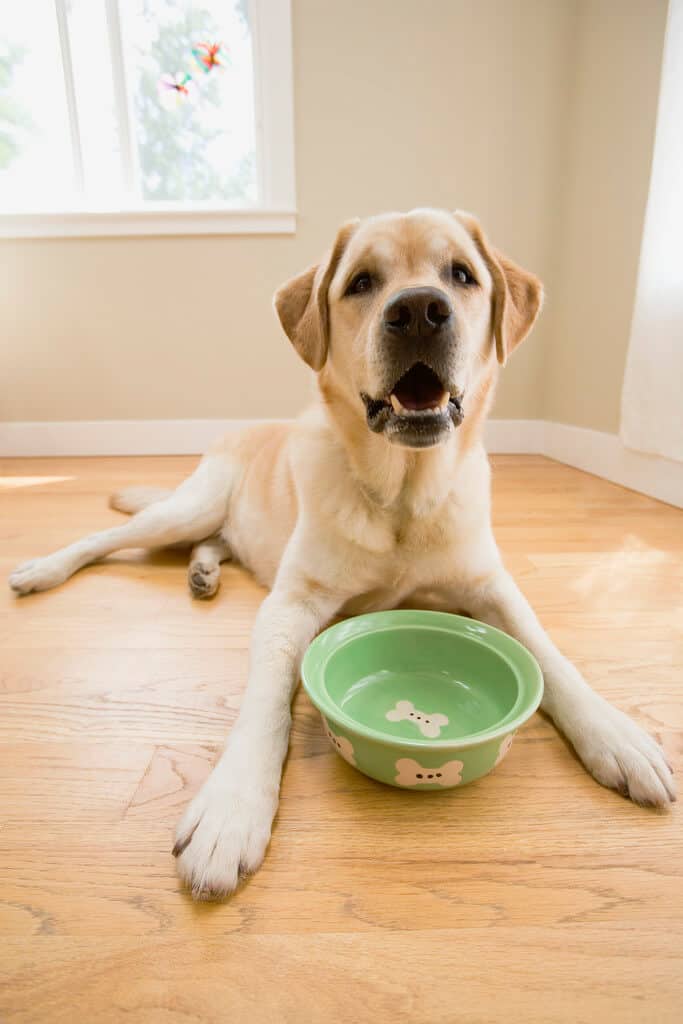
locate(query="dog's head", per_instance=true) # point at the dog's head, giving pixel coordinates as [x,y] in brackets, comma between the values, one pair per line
[405,315]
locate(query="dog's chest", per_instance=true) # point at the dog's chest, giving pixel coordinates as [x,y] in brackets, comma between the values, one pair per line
[397,552]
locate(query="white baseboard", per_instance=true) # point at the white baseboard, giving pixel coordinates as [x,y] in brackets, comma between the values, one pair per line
[514,437]
[591,450]
[606,455]
[594,451]
[113,437]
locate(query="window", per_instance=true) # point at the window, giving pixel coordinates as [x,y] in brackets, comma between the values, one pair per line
[146,117]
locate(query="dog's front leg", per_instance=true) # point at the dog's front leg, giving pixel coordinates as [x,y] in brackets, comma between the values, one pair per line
[226,828]
[616,751]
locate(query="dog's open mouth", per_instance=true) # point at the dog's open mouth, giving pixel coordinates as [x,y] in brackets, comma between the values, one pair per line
[418,391]
[418,409]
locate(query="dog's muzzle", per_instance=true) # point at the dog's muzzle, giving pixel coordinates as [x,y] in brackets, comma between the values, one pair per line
[420,408]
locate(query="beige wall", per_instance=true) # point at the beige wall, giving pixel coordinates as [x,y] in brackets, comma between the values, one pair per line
[536,114]
[398,104]
[607,153]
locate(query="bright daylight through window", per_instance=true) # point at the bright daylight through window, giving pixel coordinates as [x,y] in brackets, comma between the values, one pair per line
[147,107]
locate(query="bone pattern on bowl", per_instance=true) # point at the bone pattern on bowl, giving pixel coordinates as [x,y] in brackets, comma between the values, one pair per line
[429,723]
[412,773]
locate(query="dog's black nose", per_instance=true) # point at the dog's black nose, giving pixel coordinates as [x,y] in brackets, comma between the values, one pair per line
[418,311]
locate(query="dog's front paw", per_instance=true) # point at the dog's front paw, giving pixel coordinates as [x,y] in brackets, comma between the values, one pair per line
[39,574]
[622,756]
[224,833]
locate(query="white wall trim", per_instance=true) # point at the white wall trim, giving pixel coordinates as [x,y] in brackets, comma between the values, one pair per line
[271,32]
[162,219]
[591,450]
[514,437]
[114,437]
[606,455]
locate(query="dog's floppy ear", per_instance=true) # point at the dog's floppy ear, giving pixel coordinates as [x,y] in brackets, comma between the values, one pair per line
[517,294]
[301,304]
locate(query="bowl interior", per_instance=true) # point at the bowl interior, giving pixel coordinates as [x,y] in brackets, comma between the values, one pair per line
[428,678]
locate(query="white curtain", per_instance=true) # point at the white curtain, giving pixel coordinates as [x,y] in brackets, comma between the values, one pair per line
[652,397]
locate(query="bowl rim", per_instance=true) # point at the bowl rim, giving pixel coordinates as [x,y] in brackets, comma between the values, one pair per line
[525,667]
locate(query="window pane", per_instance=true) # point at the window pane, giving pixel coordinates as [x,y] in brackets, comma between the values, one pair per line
[94,89]
[36,166]
[190,69]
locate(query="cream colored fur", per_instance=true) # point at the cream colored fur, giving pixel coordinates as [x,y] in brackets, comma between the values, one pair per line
[335,519]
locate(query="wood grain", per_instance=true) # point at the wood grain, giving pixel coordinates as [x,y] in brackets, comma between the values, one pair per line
[532,896]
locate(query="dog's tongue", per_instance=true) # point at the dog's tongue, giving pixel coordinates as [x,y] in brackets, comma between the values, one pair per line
[419,388]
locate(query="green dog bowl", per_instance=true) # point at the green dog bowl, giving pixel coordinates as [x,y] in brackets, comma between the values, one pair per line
[421,700]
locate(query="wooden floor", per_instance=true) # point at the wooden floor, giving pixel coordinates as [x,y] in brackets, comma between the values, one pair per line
[531,896]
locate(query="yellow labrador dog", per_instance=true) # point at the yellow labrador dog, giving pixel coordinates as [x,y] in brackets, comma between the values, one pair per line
[377,496]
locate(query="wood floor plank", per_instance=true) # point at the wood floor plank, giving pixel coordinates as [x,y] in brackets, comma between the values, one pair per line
[532,896]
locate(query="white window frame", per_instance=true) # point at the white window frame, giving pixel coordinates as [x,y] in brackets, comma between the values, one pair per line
[271,31]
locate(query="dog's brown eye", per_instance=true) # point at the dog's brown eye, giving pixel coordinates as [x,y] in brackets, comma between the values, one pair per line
[360,283]
[461,274]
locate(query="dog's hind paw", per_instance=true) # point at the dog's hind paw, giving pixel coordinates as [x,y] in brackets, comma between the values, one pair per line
[39,574]
[204,579]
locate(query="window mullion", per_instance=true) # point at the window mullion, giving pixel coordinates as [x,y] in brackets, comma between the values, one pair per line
[121,100]
[70,90]
[263,181]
